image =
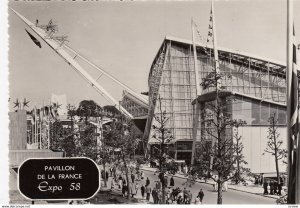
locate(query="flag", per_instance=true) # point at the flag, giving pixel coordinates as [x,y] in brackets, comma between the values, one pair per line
[46,111]
[293,137]
[33,117]
[38,43]
[38,112]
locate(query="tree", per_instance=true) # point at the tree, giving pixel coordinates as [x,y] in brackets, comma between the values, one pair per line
[62,139]
[112,109]
[238,151]
[87,142]
[217,126]
[163,135]
[87,109]
[274,144]
[120,136]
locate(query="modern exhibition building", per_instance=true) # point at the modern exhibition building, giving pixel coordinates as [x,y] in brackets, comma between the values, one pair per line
[256,86]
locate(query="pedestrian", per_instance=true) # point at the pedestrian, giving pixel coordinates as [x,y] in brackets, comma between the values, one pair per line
[190,196]
[225,185]
[112,185]
[179,200]
[262,180]
[136,188]
[142,175]
[172,182]
[120,182]
[185,195]
[138,175]
[197,200]
[147,182]
[114,171]
[158,185]
[154,195]
[266,188]
[279,189]
[159,197]
[132,189]
[106,174]
[111,171]
[201,195]
[165,181]
[272,188]
[124,187]
[148,192]
[132,177]
[143,191]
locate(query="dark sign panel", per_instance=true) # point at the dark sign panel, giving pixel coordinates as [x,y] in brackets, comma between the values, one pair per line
[57,179]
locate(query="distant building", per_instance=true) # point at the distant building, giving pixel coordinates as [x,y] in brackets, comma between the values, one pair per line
[137,108]
[20,145]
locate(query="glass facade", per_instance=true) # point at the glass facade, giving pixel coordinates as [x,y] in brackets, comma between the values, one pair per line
[255,112]
[172,78]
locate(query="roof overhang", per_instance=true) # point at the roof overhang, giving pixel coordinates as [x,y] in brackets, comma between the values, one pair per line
[209,96]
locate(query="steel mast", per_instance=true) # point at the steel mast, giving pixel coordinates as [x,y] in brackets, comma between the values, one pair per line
[57,47]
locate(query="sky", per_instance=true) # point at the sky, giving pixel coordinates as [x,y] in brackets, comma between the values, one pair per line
[124,37]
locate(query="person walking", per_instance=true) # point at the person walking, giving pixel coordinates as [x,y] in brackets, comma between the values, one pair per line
[112,184]
[179,200]
[159,197]
[154,195]
[142,175]
[132,189]
[172,182]
[120,182]
[185,195]
[136,188]
[106,174]
[147,182]
[158,185]
[148,192]
[143,191]
[190,196]
[201,195]
[124,187]
[132,177]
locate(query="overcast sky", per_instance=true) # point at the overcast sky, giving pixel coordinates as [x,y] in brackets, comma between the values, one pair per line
[124,37]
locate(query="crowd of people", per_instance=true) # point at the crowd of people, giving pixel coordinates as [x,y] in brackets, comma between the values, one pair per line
[150,191]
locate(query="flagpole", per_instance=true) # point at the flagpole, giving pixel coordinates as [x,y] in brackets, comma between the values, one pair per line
[49,122]
[198,92]
[40,128]
[288,91]
[216,54]
[292,111]
[217,68]
[35,126]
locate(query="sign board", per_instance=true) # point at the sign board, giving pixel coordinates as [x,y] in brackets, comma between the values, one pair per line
[59,178]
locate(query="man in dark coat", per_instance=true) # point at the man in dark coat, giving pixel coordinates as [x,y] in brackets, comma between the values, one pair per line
[132,177]
[201,195]
[154,196]
[172,182]
[266,188]
[143,190]
[147,181]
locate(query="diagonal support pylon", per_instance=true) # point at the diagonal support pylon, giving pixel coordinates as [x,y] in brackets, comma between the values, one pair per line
[56,46]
